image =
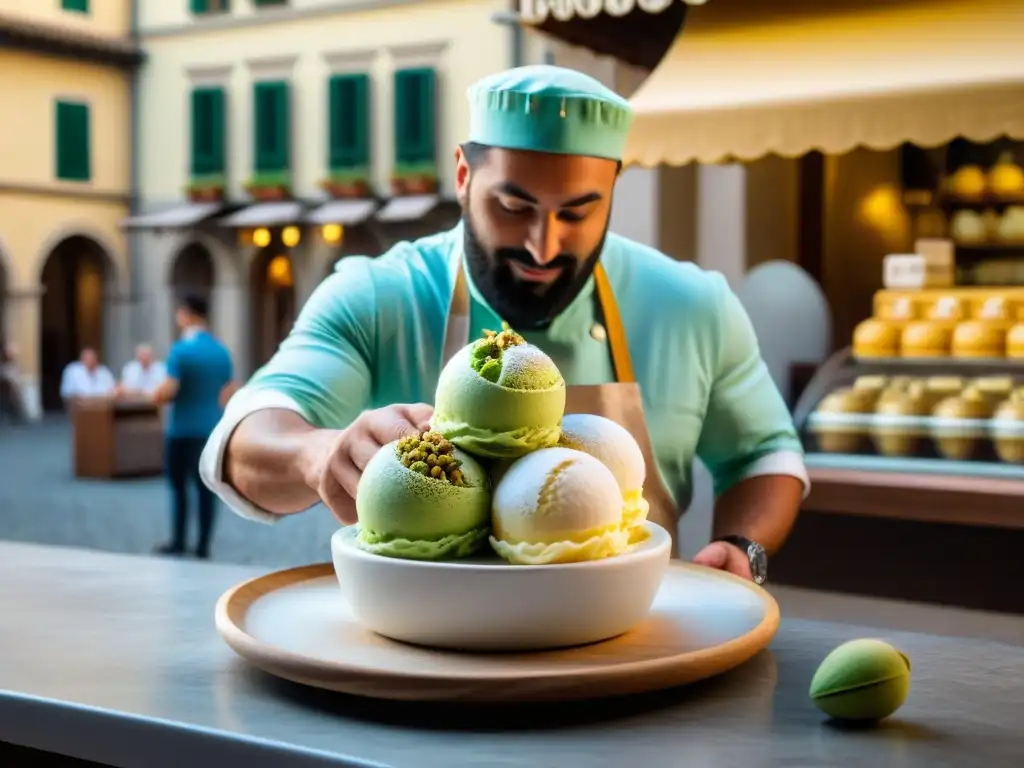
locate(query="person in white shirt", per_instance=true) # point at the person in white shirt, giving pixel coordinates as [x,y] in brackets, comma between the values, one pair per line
[143,375]
[87,377]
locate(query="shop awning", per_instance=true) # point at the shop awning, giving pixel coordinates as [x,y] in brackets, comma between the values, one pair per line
[344,212]
[265,215]
[797,79]
[180,217]
[407,208]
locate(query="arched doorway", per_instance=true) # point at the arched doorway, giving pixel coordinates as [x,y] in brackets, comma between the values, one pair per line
[273,301]
[76,284]
[192,273]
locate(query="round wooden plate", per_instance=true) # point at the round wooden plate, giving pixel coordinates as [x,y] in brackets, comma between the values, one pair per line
[295,624]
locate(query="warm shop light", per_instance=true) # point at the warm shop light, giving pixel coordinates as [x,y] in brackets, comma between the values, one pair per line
[332,233]
[261,237]
[290,236]
[279,271]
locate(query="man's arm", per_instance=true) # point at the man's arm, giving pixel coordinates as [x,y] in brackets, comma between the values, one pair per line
[748,441]
[167,390]
[318,382]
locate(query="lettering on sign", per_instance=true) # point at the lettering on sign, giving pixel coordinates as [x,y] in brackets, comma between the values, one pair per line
[536,11]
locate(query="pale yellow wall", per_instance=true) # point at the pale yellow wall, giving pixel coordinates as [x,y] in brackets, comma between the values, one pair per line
[106,17]
[474,46]
[28,138]
[32,225]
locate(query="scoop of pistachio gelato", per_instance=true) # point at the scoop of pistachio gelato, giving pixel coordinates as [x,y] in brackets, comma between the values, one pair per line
[422,498]
[500,397]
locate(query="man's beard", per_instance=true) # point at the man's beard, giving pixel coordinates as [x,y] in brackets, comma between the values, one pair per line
[522,304]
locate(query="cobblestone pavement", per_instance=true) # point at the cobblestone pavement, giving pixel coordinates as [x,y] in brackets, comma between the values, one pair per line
[42,502]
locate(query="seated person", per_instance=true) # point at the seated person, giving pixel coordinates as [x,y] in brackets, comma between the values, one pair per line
[141,377]
[86,378]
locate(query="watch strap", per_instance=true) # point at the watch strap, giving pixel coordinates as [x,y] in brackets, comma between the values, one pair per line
[754,552]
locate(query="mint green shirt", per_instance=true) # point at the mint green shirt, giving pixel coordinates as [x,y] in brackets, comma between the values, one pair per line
[371,335]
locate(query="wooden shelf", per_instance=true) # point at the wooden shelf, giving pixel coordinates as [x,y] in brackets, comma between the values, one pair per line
[932,498]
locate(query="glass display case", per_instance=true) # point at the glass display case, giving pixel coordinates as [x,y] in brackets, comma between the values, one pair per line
[946,416]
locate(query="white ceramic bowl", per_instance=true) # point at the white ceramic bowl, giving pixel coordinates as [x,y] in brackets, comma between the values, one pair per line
[485,604]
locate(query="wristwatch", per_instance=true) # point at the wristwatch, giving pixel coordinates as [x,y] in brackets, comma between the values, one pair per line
[755,553]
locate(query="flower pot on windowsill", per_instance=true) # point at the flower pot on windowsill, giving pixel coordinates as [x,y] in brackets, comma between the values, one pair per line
[206,190]
[414,180]
[270,187]
[341,188]
[269,194]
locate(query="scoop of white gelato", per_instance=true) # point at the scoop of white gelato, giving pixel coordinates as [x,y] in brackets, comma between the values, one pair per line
[608,442]
[615,447]
[557,505]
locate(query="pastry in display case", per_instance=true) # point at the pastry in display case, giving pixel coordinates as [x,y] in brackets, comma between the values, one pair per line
[984,335]
[933,336]
[1008,428]
[1006,178]
[879,336]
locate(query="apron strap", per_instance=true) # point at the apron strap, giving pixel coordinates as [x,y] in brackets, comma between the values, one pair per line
[617,341]
[456,330]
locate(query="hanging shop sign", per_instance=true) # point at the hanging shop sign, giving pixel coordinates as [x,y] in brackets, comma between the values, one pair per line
[537,11]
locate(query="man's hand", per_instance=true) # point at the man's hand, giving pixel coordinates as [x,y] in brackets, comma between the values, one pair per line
[725,557]
[334,467]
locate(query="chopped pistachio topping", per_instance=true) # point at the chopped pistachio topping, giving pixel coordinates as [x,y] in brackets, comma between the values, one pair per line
[430,454]
[486,353]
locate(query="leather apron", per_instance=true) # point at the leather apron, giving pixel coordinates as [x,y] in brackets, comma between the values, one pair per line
[620,402]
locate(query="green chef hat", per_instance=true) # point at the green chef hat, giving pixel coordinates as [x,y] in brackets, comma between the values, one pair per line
[549,109]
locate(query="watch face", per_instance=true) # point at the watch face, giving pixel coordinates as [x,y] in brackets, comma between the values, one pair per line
[758,563]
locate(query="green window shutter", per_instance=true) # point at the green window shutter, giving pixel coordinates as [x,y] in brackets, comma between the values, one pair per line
[73,142]
[80,6]
[208,113]
[272,127]
[349,122]
[197,7]
[415,116]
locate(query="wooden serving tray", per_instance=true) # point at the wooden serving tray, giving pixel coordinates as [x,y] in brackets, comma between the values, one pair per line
[296,625]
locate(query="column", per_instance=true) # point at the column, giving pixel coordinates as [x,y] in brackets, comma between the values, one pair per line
[23,315]
[635,206]
[159,311]
[230,322]
[119,333]
[721,220]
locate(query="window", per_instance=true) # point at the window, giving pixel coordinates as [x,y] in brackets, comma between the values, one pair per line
[77,6]
[208,132]
[415,117]
[272,125]
[201,7]
[263,3]
[72,139]
[348,127]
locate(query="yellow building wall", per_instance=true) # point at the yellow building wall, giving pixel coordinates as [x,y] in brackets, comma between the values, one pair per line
[29,136]
[109,18]
[37,211]
[474,46]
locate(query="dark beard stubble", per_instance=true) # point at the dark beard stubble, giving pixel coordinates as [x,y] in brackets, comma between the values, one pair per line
[523,305]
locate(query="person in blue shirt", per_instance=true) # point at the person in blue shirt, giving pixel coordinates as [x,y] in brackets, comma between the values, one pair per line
[663,347]
[198,383]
